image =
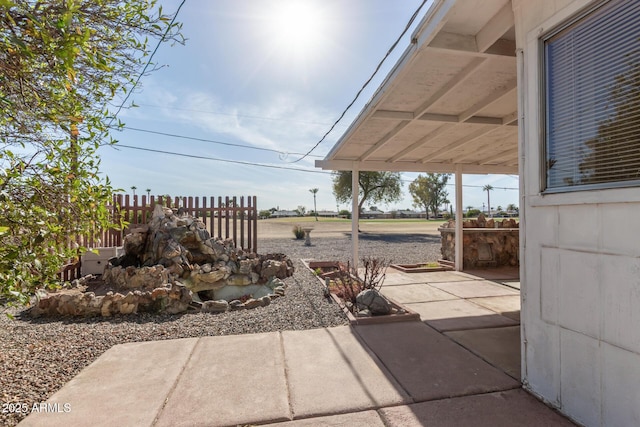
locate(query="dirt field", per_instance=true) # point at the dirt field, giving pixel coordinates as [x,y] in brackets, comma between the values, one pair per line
[329,227]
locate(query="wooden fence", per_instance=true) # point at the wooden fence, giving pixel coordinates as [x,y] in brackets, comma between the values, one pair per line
[230,217]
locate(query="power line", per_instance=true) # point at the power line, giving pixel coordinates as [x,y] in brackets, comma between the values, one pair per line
[391,49]
[281,153]
[288,120]
[194,156]
[144,70]
[239,162]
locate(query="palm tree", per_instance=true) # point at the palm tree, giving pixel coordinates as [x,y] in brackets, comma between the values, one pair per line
[134,188]
[148,190]
[488,188]
[314,191]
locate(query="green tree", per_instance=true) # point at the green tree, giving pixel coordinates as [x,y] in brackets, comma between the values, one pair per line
[429,191]
[62,62]
[374,187]
[314,191]
[488,189]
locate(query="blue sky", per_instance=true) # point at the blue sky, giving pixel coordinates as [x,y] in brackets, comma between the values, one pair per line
[251,75]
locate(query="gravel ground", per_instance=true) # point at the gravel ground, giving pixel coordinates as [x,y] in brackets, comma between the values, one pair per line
[38,356]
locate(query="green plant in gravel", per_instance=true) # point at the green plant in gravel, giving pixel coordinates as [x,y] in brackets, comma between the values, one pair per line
[62,64]
[298,232]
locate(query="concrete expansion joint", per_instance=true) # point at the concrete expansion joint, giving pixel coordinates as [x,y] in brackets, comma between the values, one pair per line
[175,382]
[285,369]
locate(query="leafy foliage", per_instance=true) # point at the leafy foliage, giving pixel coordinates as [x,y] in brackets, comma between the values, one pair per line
[62,63]
[429,191]
[375,187]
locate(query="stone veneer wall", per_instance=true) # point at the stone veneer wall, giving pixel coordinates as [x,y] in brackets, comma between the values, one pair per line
[486,243]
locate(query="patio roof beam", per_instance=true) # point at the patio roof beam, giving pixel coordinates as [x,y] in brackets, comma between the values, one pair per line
[497,26]
[459,143]
[487,101]
[419,143]
[371,165]
[463,44]
[385,139]
[457,80]
[502,154]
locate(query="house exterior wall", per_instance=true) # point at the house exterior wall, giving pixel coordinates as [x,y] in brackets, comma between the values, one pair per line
[580,265]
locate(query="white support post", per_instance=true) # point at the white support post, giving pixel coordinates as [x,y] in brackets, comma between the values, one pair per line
[355,188]
[459,220]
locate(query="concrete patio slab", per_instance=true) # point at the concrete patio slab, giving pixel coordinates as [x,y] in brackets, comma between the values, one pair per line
[420,292]
[506,305]
[454,315]
[355,419]
[399,278]
[506,408]
[498,274]
[498,346]
[230,380]
[475,289]
[329,371]
[126,386]
[430,366]
[438,276]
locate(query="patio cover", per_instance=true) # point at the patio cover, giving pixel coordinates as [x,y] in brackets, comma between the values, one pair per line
[450,103]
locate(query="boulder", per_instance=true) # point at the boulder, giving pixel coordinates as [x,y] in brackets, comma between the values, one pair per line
[374,301]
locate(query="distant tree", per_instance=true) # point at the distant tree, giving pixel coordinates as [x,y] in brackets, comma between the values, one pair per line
[345,213]
[264,213]
[488,188]
[374,187]
[314,191]
[373,208]
[134,188]
[301,210]
[148,190]
[429,191]
[511,207]
[499,208]
[272,210]
[473,213]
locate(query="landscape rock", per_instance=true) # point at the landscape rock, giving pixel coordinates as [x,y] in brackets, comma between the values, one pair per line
[219,306]
[374,301]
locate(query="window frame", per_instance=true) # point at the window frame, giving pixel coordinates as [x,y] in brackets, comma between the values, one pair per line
[571,21]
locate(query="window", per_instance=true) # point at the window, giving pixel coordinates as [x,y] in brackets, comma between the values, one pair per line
[592,100]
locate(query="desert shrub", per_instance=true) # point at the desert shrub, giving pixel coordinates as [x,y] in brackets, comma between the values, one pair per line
[348,282]
[298,232]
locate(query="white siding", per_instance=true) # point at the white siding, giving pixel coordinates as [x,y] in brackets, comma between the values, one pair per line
[580,271]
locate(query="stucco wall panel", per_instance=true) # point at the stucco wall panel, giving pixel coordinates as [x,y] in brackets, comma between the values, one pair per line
[578,226]
[618,221]
[542,352]
[580,377]
[620,391]
[579,292]
[621,302]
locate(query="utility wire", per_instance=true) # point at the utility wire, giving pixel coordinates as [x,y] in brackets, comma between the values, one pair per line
[239,162]
[263,165]
[391,49]
[246,116]
[144,70]
[282,153]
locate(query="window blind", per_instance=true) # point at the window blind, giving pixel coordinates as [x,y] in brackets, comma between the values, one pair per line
[592,100]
